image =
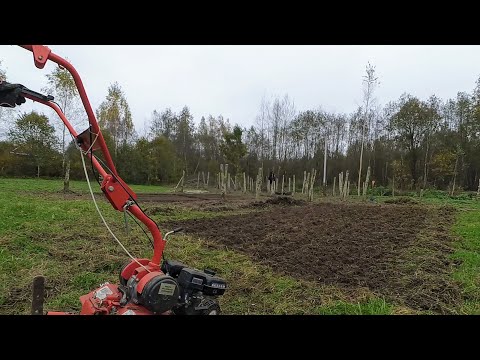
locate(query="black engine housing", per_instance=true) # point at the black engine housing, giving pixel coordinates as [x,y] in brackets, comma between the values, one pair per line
[191,280]
[160,294]
[178,288]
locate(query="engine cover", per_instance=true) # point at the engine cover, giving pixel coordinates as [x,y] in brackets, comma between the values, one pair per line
[158,292]
[192,280]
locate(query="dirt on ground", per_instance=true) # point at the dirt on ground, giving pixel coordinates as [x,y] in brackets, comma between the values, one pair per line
[398,251]
[165,204]
[401,200]
[277,200]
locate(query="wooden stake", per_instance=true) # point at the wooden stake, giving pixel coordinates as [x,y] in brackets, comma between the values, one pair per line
[179,182]
[38,295]
[312,182]
[221,177]
[340,184]
[66,180]
[346,186]
[307,183]
[367,180]
[293,187]
[226,182]
[222,180]
[257,186]
[304,181]
[244,183]
[183,179]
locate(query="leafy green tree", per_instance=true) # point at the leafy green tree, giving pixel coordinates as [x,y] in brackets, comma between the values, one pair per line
[411,123]
[163,124]
[147,162]
[34,137]
[7,159]
[233,148]
[443,166]
[161,154]
[401,173]
[184,138]
[114,116]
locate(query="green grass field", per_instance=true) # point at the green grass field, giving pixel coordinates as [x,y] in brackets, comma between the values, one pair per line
[61,237]
[56,186]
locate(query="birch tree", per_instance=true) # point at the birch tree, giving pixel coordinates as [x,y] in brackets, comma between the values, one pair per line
[370,81]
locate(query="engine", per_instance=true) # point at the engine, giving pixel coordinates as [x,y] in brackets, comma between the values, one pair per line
[156,292]
[172,289]
[198,289]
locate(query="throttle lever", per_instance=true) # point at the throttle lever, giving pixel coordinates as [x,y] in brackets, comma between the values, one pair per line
[172,232]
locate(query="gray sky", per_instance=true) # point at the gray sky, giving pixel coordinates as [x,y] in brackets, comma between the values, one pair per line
[231,80]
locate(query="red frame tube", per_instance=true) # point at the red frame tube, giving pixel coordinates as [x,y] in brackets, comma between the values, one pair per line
[43,54]
[59,112]
[86,103]
[158,242]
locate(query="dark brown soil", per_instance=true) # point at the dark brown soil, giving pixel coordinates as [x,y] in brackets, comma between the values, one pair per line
[399,252]
[179,197]
[278,200]
[202,202]
[401,200]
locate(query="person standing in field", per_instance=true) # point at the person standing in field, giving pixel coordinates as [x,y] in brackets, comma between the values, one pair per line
[271,178]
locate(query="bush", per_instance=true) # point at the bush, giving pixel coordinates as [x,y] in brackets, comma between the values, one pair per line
[464,196]
[401,200]
[437,194]
[380,191]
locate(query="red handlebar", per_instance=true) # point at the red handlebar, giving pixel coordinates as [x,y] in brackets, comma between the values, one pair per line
[114,188]
[40,56]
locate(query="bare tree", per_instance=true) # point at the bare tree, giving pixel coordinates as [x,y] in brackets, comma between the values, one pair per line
[275,119]
[288,113]
[369,82]
[261,122]
[61,84]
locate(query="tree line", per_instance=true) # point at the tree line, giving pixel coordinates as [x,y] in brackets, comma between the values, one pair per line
[411,142]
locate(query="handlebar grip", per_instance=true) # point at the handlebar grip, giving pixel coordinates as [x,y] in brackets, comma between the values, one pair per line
[37,94]
[178,229]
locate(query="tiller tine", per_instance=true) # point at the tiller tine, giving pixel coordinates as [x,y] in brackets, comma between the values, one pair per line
[38,295]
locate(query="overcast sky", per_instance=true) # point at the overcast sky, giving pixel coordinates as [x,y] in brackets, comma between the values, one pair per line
[231,80]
